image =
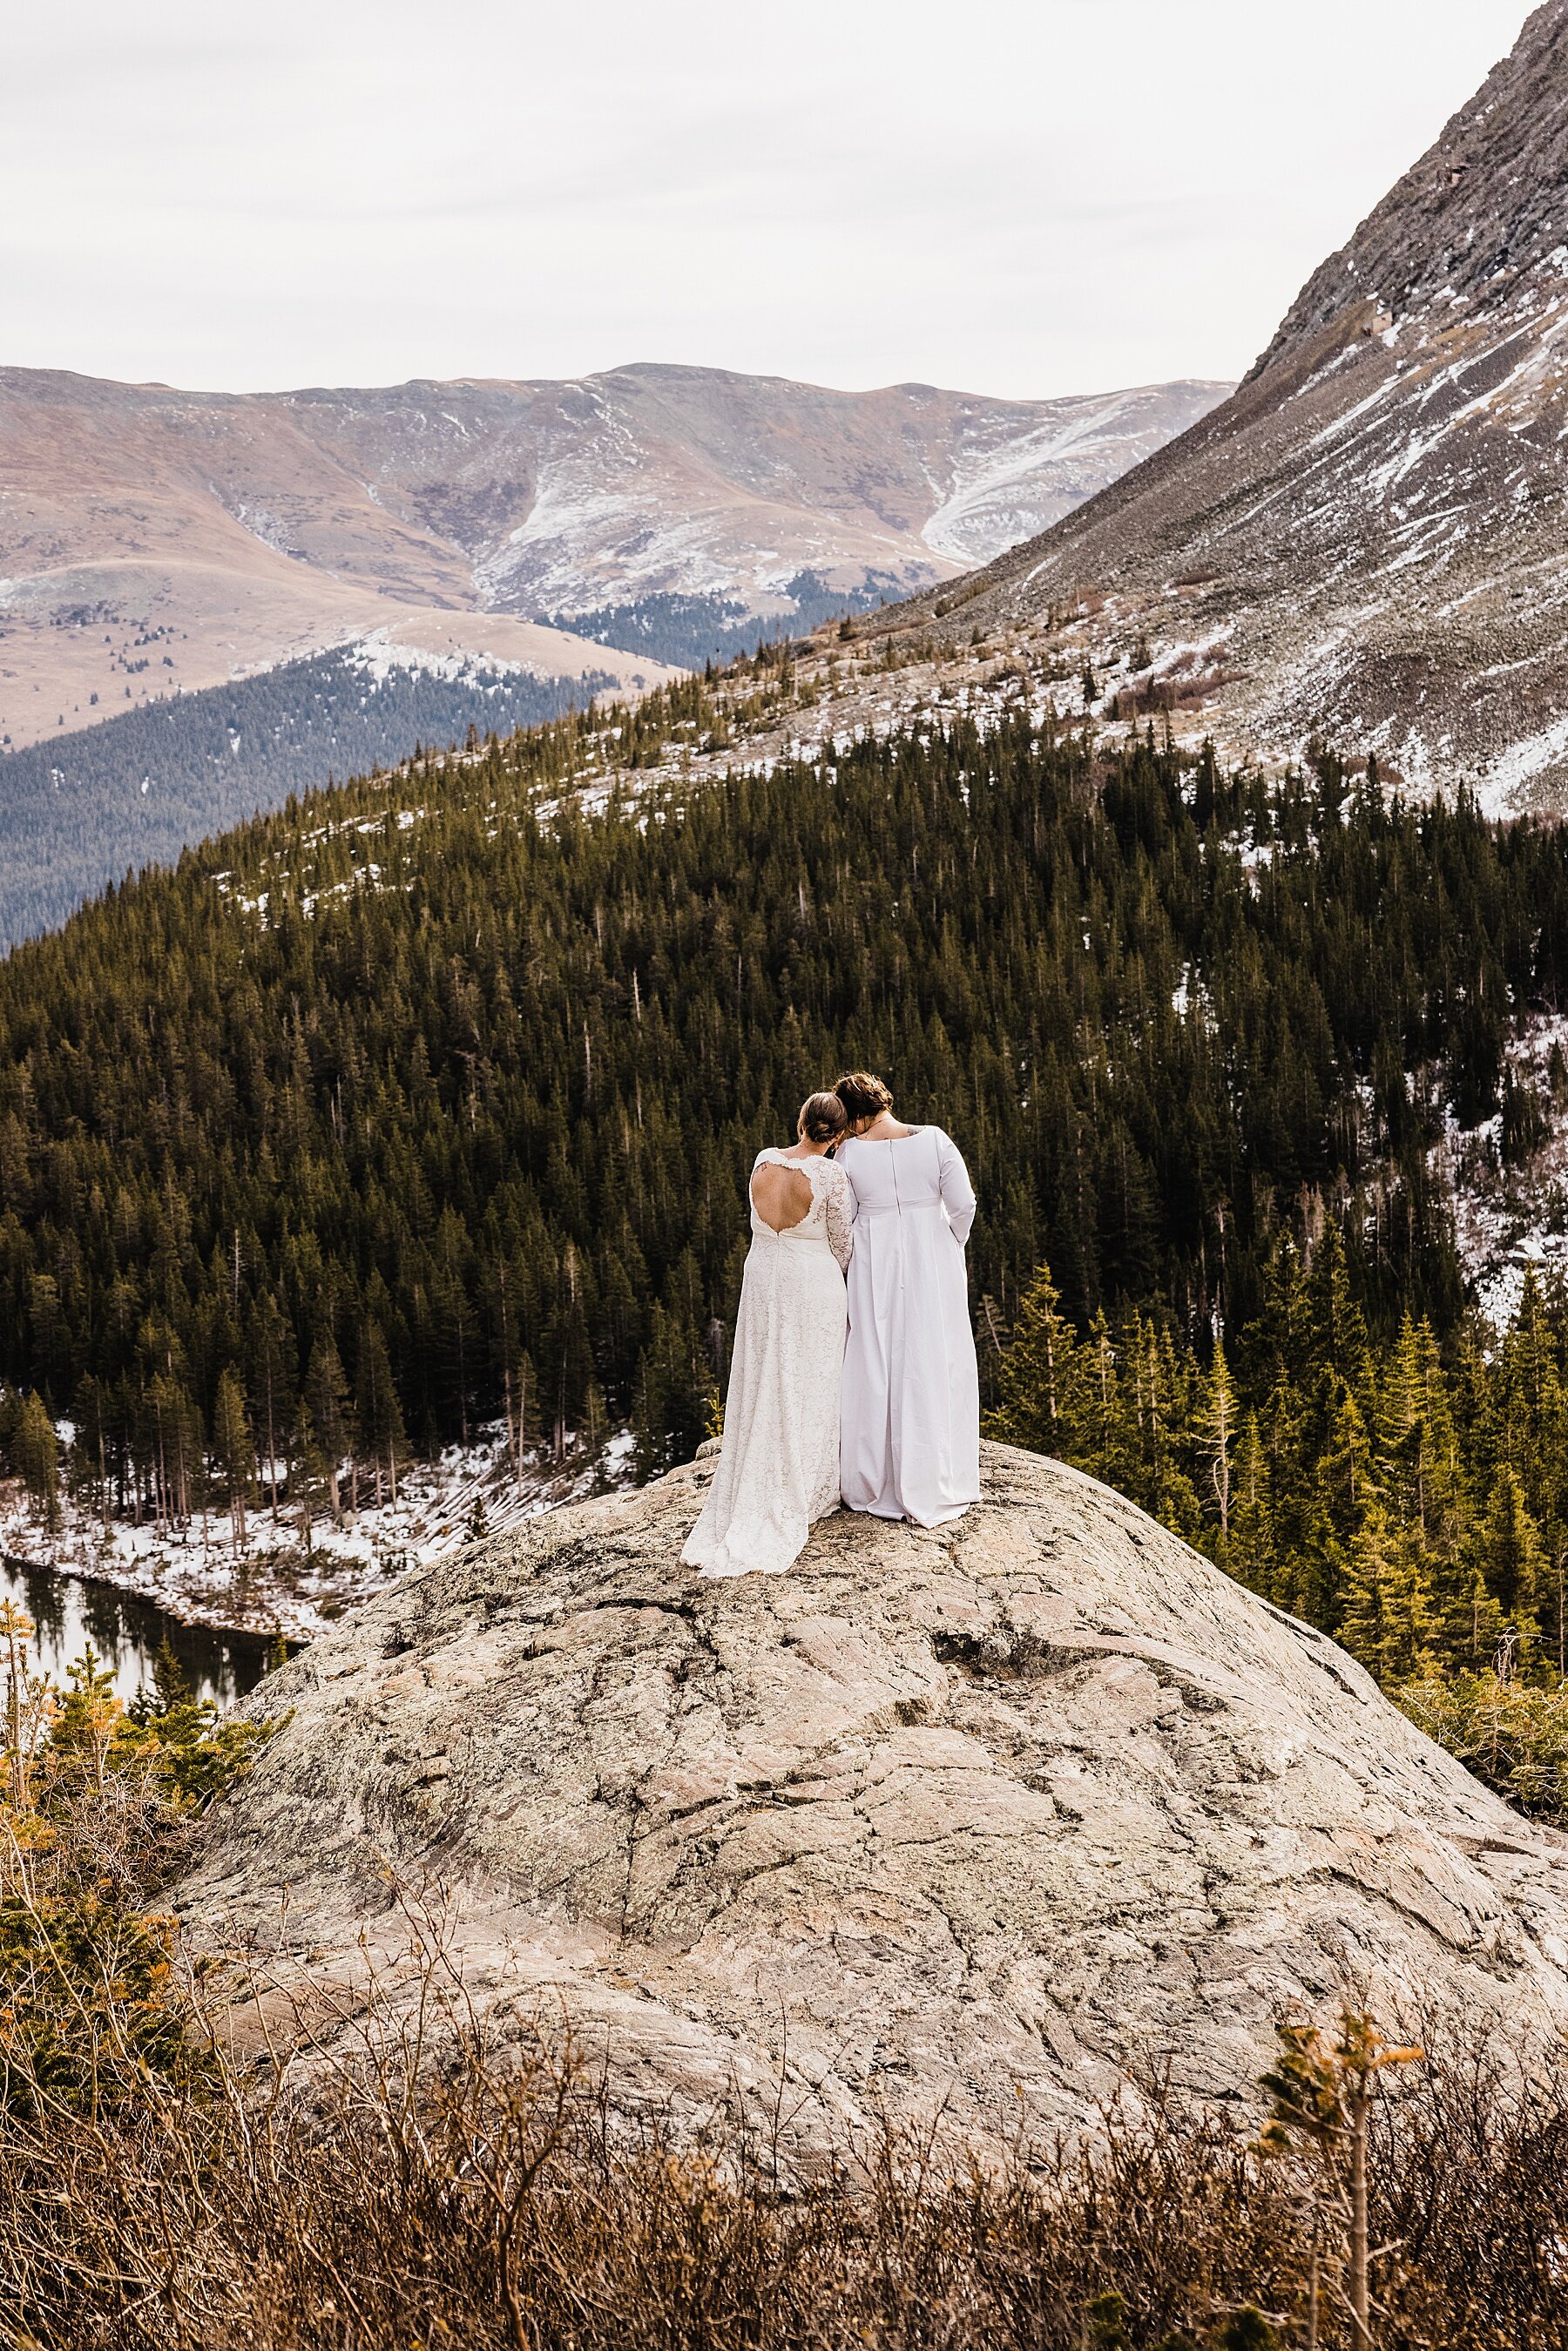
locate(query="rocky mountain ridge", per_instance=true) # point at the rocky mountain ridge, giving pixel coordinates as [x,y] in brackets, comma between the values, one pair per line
[1366,541]
[153,540]
[981,1820]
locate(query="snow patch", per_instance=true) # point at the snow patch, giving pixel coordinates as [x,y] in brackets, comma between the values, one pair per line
[199,1574]
[1506,778]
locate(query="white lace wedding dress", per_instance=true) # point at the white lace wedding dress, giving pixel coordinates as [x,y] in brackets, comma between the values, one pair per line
[779,1470]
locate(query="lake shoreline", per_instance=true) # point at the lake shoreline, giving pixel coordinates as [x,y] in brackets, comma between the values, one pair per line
[178,1606]
[128,1633]
[274,1584]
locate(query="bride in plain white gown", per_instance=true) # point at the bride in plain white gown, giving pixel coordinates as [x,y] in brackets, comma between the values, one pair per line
[778,1470]
[911,1417]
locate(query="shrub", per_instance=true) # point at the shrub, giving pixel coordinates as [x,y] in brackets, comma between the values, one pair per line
[1513,1734]
[100,1805]
[419,2192]
[405,2176]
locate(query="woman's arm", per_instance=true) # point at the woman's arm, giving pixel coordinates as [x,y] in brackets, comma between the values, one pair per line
[957,1192]
[839,1214]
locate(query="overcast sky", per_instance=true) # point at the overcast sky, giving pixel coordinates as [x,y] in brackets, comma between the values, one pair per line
[1019,196]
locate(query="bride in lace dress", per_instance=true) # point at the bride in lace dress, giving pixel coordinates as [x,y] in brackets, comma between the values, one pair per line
[779,1470]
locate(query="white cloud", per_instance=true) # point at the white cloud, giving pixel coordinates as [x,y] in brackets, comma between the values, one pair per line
[1017,195]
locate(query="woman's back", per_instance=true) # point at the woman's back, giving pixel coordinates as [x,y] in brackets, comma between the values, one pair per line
[779,1467]
[802,1202]
[910,1434]
[909,1173]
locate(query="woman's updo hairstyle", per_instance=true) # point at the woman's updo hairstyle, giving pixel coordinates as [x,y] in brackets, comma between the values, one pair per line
[822,1119]
[863,1096]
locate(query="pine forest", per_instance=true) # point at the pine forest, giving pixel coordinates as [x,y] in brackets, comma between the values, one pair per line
[432,1098]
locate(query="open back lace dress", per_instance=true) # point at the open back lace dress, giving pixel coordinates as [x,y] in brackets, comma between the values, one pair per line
[779,1470]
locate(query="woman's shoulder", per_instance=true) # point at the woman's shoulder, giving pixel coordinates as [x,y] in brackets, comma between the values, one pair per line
[778,1154]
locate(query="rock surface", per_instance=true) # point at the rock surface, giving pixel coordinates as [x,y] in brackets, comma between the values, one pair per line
[954,1818]
[1365,543]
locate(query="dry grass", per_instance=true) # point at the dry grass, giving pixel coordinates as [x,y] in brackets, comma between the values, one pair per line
[425,2187]
[405,2180]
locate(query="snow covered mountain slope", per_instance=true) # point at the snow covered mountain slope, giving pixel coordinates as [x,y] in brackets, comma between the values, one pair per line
[1368,538]
[154,541]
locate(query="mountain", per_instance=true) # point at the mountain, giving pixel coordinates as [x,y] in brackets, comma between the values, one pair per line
[155,542]
[1367,539]
[209,601]
[967,1825]
[84,809]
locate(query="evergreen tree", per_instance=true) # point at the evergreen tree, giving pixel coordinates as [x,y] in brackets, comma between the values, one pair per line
[93,1444]
[306,1473]
[171,1446]
[326,1394]
[1219,1438]
[1507,1555]
[234,1450]
[1379,1541]
[596,1432]
[1477,1635]
[36,1451]
[1388,1620]
[380,1414]
[675,1385]
[1347,1482]
[1249,1546]
[1103,1429]
[1339,1326]
[270,1353]
[1038,1385]
[527,1409]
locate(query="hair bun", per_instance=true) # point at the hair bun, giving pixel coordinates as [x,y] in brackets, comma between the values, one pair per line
[863,1095]
[822,1118]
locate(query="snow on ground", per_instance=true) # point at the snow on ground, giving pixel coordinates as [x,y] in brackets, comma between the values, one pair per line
[1521,765]
[199,1574]
[379,656]
[1510,1221]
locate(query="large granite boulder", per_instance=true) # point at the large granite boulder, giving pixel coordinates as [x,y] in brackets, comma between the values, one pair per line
[959,1819]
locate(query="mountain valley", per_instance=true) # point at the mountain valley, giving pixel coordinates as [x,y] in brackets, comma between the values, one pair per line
[445,830]
[154,541]
[207,601]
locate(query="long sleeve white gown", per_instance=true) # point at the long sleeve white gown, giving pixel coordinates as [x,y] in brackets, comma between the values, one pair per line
[911,1416]
[778,1470]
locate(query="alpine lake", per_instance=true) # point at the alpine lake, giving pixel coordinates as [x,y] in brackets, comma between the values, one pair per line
[71,1613]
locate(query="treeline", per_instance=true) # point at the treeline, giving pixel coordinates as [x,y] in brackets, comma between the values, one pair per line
[1408,1497]
[690,631]
[447,1084]
[86,809]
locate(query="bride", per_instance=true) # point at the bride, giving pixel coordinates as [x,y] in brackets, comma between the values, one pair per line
[912,1388]
[779,1470]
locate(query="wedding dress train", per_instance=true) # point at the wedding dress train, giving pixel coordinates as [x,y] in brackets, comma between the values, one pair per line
[779,1470]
